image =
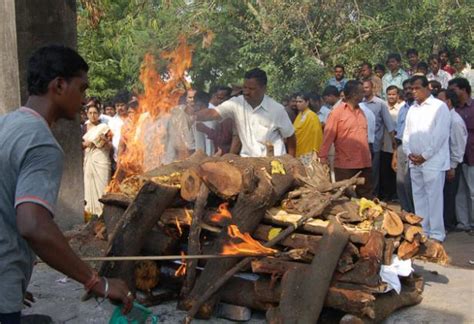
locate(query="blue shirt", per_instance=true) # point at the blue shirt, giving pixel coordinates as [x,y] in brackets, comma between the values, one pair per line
[396,79]
[338,84]
[402,116]
[383,120]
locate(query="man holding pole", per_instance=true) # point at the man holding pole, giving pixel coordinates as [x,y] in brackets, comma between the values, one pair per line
[31,165]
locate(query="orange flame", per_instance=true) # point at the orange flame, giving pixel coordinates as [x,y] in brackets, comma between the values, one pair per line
[247,245]
[189,218]
[181,271]
[143,136]
[223,213]
[178,226]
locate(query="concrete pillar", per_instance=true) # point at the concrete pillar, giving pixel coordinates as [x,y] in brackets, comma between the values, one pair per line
[9,79]
[26,26]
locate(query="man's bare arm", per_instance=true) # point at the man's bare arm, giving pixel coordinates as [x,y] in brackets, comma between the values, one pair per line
[236,145]
[36,226]
[207,114]
[291,145]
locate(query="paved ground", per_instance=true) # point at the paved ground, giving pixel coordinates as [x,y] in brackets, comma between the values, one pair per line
[448,295]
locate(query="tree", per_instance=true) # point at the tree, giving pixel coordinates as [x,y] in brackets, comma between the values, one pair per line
[296,42]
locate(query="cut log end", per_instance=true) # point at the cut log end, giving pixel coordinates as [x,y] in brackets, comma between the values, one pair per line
[392,223]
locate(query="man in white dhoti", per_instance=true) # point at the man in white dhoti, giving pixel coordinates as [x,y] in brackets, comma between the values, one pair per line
[426,143]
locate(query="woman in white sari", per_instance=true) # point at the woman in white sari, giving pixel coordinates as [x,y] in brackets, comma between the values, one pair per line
[97,164]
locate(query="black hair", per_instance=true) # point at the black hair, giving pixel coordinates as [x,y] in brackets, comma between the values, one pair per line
[93,101]
[453,97]
[424,80]
[50,62]
[351,88]
[443,51]
[257,74]
[433,57]
[366,64]
[422,65]
[201,98]
[393,87]
[122,96]
[109,103]
[379,66]
[314,96]
[227,89]
[330,91]
[412,51]
[405,82]
[92,106]
[340,66]
[303,95]
[461,83]
[394,56]
[133,103]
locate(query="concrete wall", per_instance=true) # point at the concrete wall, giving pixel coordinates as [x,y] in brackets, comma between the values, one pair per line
[39,23]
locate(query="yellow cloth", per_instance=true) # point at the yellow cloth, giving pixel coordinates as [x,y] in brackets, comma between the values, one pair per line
[308,131]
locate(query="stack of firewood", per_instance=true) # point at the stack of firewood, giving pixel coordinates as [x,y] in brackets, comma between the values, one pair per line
[329,248]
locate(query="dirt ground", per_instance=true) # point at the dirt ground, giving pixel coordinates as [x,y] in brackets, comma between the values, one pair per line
[447,298]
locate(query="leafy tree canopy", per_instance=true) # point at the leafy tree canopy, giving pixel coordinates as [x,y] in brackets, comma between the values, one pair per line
[296,42]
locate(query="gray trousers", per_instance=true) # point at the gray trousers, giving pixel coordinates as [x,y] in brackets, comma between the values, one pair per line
[404,190]
[465,198]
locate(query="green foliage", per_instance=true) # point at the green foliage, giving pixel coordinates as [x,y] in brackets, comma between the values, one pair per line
[296,42]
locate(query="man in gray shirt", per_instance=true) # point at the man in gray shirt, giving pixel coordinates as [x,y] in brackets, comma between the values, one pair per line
[31,164]
[382,120]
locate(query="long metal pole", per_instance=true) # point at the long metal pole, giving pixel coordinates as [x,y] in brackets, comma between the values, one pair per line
[170,257]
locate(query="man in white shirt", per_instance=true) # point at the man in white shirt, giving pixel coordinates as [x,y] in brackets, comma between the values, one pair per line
[426,143]
[457,148]
[437,73]
[259,119]
[118,120]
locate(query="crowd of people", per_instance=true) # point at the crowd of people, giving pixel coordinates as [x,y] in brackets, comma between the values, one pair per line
[408,131]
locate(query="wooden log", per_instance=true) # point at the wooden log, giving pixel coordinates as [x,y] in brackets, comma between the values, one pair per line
[213,288]
[351,301]
[116,199]
[408,250]
[392,223]
[410,231]
[111,216]
[346,209]
[386,304]
[275,266]
[388,251]
[349,256]
[365,272]
[433,251]
[222,178]
[280,217]
[410,218]
[136,223]
[190,184]
[374,247]
[259,194]
[296,241]
[194,245]
[264,294]
[303,298]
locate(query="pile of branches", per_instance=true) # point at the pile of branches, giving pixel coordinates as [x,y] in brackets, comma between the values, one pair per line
[323,250]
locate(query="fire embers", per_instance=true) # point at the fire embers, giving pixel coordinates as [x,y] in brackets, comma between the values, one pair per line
[146,275]
[222,215]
